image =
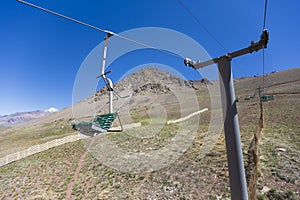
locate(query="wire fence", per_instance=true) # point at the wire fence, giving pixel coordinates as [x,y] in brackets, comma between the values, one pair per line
[39,148]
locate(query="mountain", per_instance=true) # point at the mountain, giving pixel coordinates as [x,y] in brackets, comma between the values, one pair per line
[21,117]
[191,176]
[152,80]
[51,110]
[145,82]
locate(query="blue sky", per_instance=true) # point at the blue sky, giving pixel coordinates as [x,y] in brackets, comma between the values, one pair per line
[41,53]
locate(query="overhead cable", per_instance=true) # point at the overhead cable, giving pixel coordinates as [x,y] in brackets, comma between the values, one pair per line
[265,14]
[201,25]
[102,30]
[263,53]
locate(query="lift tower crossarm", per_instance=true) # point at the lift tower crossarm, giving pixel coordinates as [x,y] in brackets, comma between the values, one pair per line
[254,46]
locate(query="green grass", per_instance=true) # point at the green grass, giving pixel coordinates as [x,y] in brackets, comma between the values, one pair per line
[46,175]
[42,175]
[14,140]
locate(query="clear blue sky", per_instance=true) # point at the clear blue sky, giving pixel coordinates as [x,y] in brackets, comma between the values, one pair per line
[41,53]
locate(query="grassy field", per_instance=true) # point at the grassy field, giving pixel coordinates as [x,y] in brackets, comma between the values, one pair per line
[48,175]
[13,140]
[44,175]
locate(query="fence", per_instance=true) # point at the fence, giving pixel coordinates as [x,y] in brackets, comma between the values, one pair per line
[39,148]
[54,143]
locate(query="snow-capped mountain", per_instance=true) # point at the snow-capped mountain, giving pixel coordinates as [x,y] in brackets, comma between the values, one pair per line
[52,110]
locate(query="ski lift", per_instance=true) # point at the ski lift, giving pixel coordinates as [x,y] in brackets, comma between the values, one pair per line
[103,123]
[253,95]
[266,97]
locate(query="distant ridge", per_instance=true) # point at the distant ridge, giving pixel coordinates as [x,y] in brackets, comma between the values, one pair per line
[143,82]
[22,117]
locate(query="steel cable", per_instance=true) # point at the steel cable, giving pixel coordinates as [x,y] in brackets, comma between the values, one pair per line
[102,30]
[201,25]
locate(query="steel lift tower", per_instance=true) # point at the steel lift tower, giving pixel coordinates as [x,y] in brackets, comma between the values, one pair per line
[238,186]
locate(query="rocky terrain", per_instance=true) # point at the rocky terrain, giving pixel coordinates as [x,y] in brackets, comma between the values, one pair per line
[153,80]
[72,172]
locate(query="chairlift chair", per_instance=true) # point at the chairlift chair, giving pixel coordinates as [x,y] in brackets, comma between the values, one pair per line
[103,123]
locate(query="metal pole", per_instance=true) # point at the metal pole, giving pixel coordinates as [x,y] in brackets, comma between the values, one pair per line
[260,106]
[111,96]
[104,55]
[238,186]
[103,74]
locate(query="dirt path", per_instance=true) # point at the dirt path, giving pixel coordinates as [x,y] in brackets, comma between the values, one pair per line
[282,84]
[80,164]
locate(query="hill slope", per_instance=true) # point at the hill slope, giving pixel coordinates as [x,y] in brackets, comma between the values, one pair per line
[22,117]
[50,173]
